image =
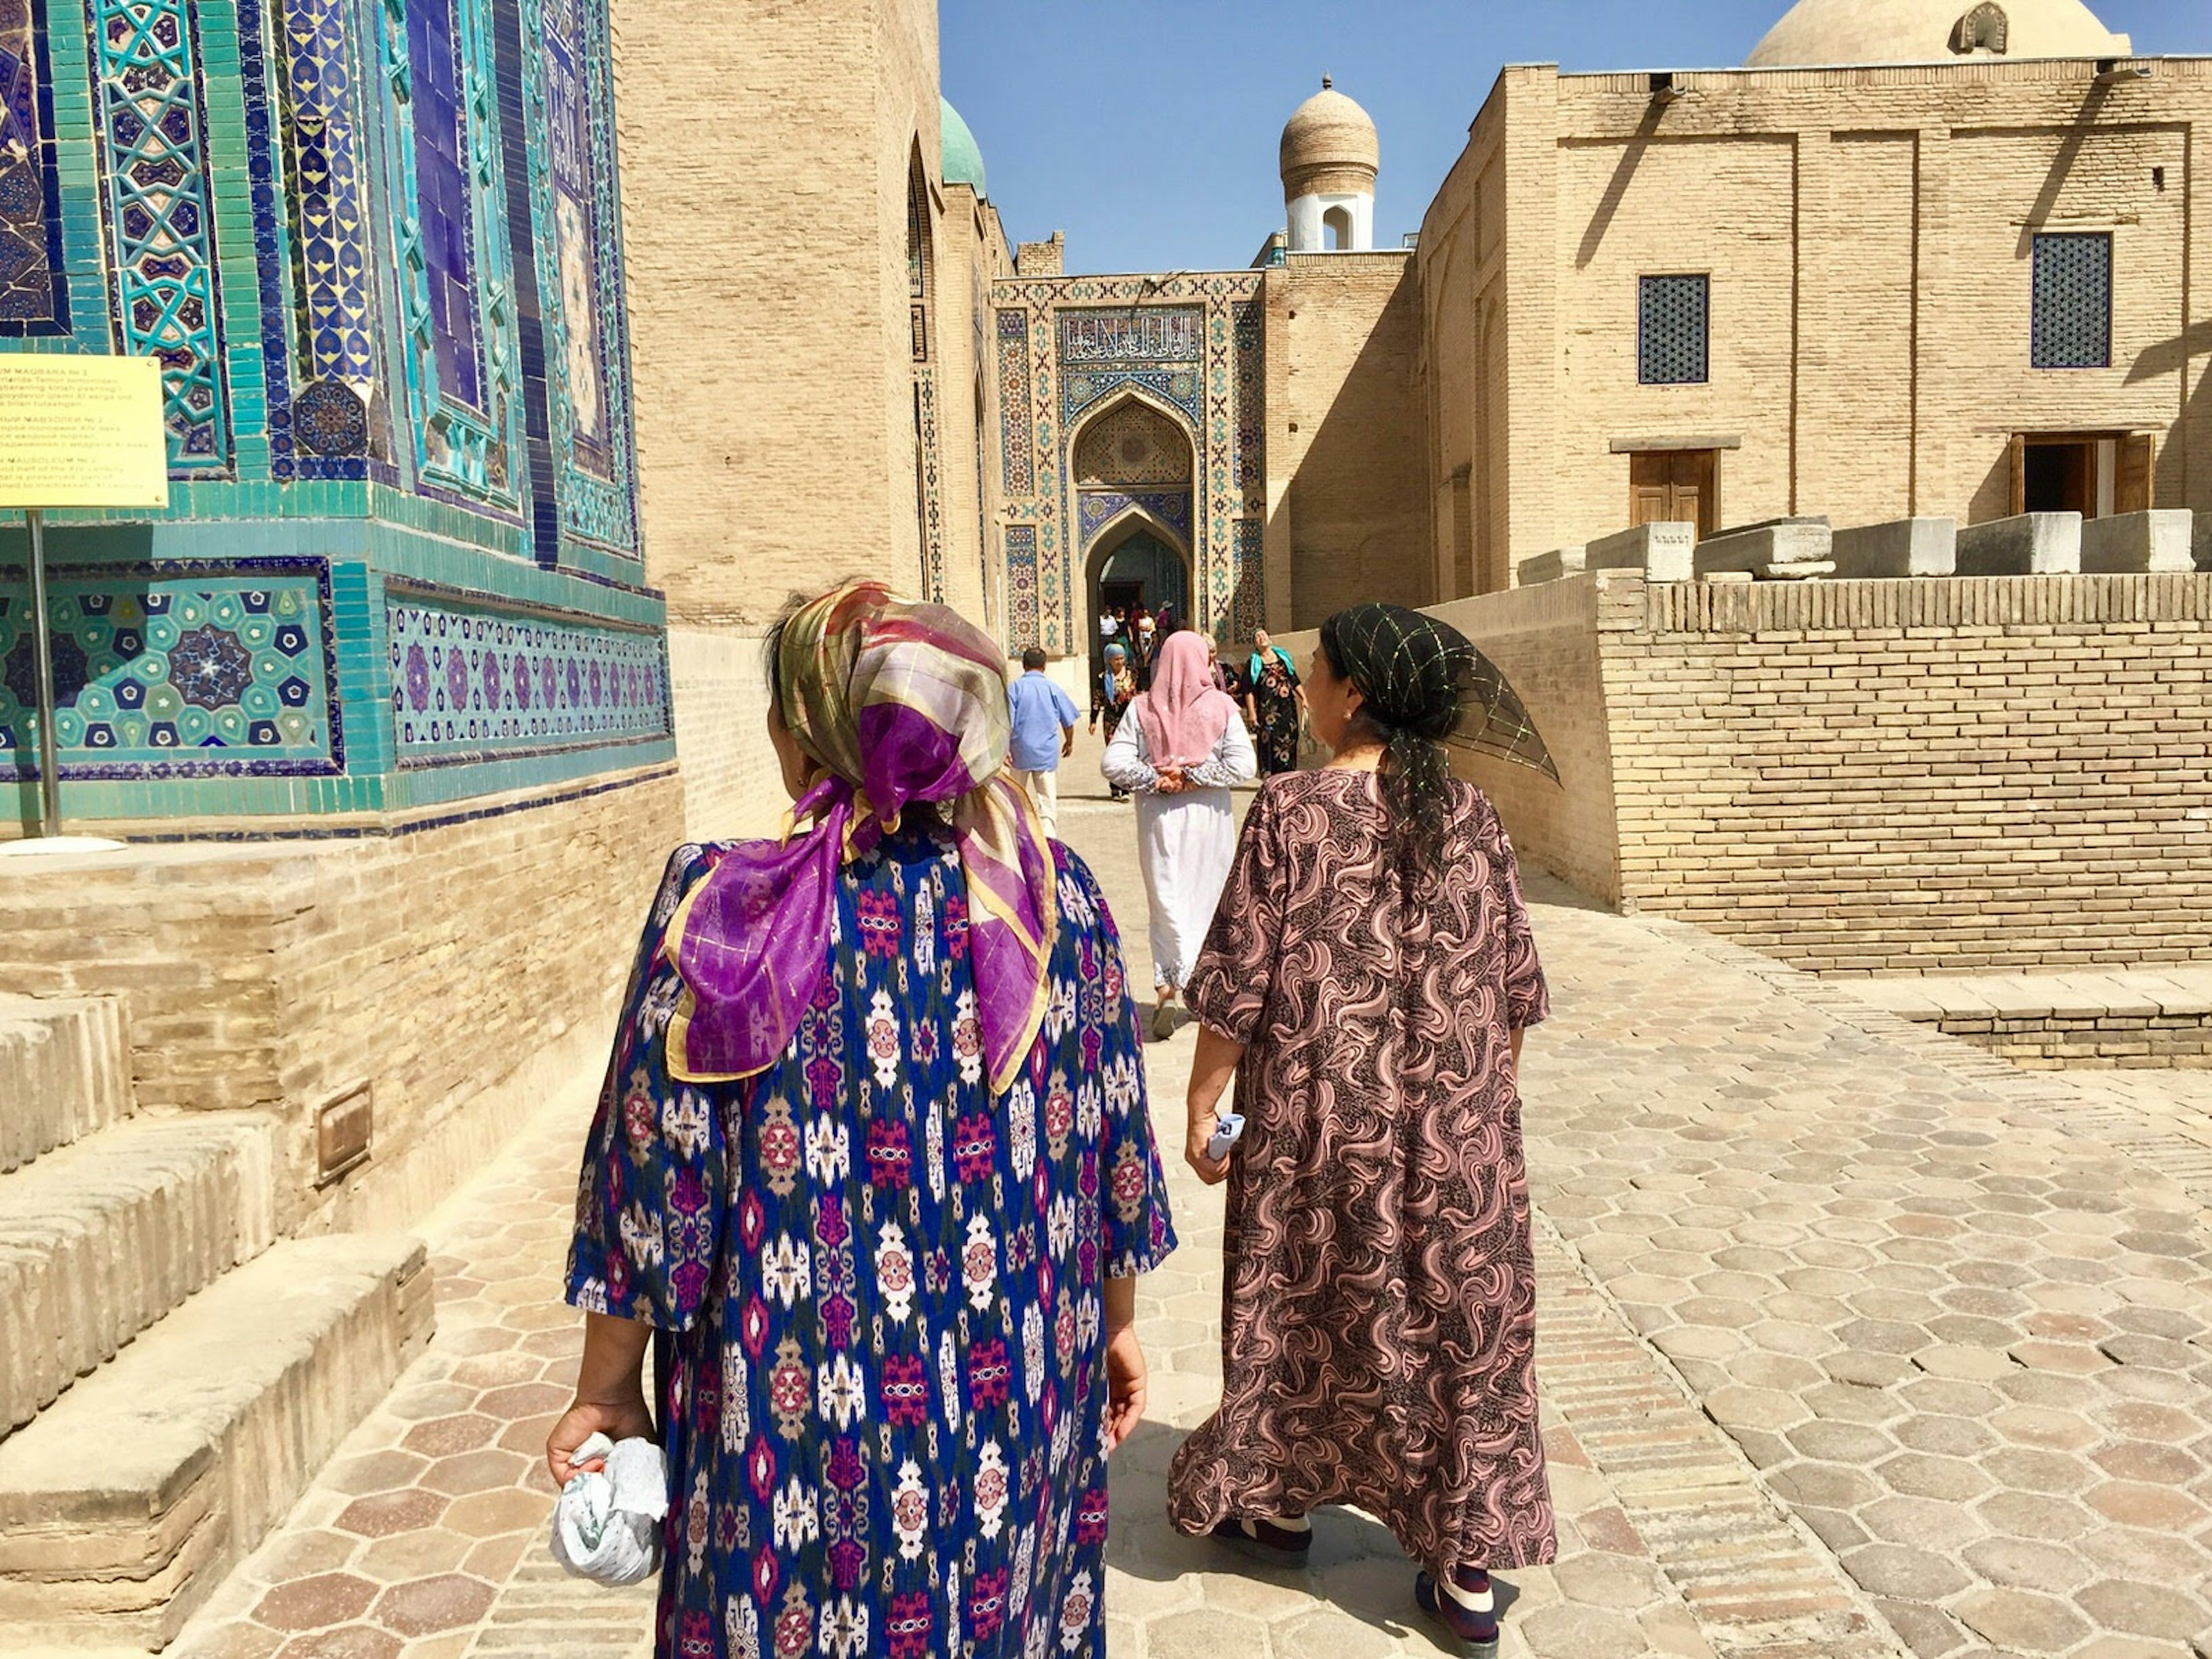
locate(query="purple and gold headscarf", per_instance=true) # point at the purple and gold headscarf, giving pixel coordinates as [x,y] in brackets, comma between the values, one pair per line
[903,704]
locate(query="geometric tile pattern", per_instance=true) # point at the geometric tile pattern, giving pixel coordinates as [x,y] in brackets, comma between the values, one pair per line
[2073,282]
[170,676]
[458,293]
[1248,460]
[1674,316]
[1023,619]
[475,686]
[1191,348]
[329,194]
[584,366]
[1014,418]
[152,163]
[1096,508]
[1249,608]
[30,228]
[1158,348]
[1132,444]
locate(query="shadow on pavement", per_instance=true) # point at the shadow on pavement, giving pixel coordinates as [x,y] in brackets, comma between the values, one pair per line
[1356,1565]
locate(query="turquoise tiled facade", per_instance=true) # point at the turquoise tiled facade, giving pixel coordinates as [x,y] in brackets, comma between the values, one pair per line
[377,251]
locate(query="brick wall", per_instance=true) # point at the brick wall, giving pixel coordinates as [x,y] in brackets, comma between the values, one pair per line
[458,970]
[1868,232]
[1883,777]
[1352,451]
[731,787]
[1873,778]
[768,293]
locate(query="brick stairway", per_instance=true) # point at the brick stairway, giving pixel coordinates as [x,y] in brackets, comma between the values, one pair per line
[173,1374]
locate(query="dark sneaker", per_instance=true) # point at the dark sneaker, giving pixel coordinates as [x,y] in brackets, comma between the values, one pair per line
[1472,1634]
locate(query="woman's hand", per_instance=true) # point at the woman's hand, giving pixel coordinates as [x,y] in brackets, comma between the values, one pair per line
[1212,1170]
[1171,781]
[1125,1385]
[617,1419]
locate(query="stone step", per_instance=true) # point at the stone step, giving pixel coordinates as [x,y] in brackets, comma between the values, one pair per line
[64,1072]
[126,1502]
[101,1239]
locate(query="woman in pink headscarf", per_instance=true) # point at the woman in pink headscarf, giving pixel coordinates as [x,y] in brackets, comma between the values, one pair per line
[1178,750]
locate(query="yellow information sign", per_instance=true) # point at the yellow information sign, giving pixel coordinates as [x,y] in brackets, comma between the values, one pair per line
[79,431]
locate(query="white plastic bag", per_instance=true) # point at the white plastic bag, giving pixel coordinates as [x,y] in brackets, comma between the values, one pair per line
[606,1526]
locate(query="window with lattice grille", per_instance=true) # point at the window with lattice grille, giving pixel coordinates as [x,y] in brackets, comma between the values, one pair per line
[2073,286]
[1674,323]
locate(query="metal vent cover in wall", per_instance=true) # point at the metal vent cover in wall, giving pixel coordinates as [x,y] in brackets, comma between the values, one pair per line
[2072,300]
[1673,325]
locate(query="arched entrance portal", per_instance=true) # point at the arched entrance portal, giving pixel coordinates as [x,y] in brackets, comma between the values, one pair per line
[1134,469]
[1136,565]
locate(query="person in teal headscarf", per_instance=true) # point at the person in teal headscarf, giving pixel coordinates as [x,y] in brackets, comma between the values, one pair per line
[1273,700]
[1110,695]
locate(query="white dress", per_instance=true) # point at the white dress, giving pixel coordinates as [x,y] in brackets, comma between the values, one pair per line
[1184,842]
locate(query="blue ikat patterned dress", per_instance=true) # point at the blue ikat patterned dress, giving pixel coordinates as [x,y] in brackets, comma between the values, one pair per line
[883,1371]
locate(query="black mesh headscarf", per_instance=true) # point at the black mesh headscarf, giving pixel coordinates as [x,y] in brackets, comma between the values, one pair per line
[1424,684]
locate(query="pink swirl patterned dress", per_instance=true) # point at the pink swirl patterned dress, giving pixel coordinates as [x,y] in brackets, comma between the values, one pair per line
[1378,1288]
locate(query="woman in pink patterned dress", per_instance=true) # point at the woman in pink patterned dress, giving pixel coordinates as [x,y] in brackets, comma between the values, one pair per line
[1367,980]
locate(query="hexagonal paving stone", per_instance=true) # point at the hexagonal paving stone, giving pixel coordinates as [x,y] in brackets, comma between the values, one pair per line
[2146,1460]
[1587,1632]
[2053,1431]
[2020,1468]
[1846,1443]
[328,1598]
[382,1514]
[2025,1564]
[1940,1435]
[2136,1504]
[2027,1515]
[1915,1574]
[345,1642]
[2142,1609]
[426,1605]
[2021,1619]
[442,1437]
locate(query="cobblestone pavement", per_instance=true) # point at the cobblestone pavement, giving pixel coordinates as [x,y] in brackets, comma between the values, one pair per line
[1853,1341]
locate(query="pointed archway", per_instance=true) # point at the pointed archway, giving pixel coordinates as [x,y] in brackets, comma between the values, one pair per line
[1135,473]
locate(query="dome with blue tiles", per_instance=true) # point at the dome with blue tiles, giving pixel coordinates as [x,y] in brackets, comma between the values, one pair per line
[962,155]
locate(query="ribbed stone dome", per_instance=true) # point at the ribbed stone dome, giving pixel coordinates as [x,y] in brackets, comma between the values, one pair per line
[1815,32]
[962,155]
[1329,148]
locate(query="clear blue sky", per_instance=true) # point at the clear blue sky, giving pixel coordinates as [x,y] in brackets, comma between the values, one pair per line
[1147,129]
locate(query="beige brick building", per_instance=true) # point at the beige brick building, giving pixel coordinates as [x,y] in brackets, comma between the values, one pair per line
[1914,259]
[1893,267]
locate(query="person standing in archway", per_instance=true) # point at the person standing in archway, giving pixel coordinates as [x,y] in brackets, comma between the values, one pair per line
[1179,752]
[1111,698]
[1274,702]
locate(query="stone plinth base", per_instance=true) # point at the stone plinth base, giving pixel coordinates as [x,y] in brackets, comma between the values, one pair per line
[432,960]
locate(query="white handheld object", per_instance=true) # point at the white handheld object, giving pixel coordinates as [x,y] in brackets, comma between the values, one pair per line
[1226,1128]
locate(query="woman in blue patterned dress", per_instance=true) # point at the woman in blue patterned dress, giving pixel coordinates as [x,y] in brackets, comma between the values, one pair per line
[873,1171]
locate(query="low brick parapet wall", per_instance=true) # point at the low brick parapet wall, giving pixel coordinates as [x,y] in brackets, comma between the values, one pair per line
[2042,1020]
[1875,777]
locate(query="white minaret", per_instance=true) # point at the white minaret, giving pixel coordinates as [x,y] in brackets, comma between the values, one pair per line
[1329,159]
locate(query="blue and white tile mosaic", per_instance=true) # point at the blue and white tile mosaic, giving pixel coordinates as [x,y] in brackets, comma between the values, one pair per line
[159,674]
[472,685]
[1188,347]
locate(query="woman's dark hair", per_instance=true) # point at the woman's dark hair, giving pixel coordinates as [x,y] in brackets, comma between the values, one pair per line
[772,649]
[1411,671]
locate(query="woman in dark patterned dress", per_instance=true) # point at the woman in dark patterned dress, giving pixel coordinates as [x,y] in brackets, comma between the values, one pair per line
[1367,980]
[872,1159]
[1111,696]
[1273,700]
